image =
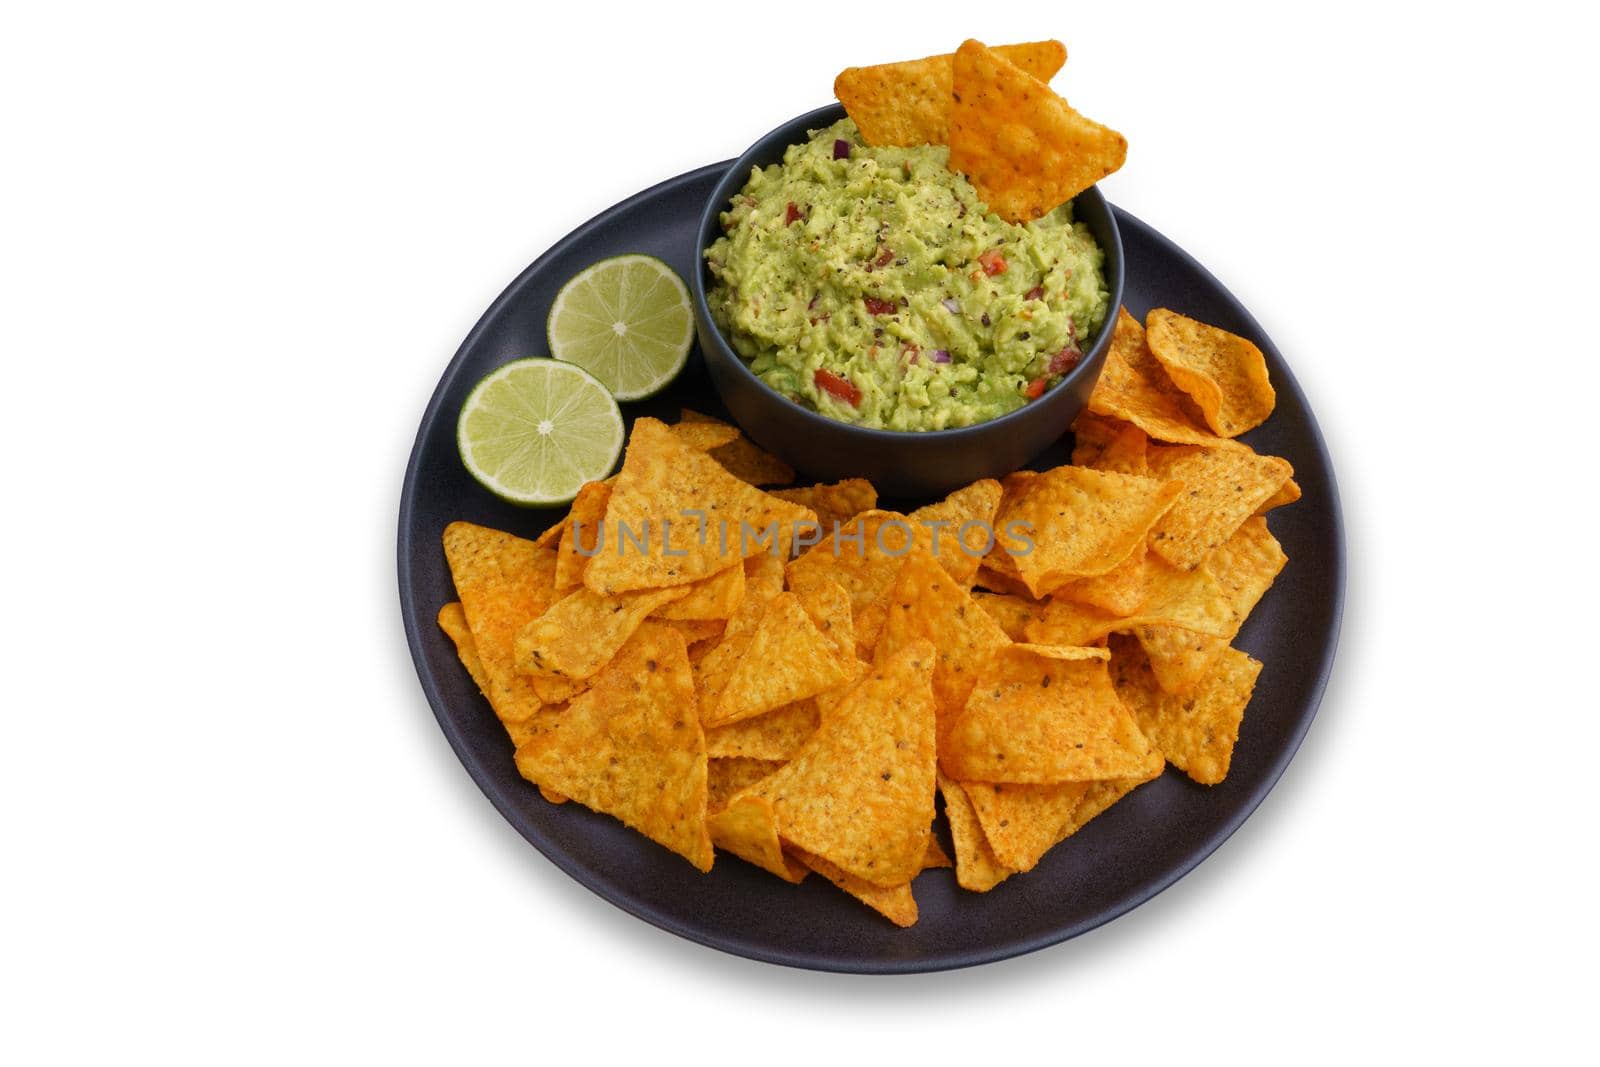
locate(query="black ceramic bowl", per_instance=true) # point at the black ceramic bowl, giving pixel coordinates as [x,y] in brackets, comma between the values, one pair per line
[900,463]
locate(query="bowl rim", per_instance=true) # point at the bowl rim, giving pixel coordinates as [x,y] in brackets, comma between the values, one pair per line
[817,118]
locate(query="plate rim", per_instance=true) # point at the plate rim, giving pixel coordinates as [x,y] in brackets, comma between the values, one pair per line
[405,547]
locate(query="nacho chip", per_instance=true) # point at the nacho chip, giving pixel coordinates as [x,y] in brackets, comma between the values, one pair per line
[652,537]
[580,534]
[705,436]
[828,605]
[1038,716]
[926,604]
[1091,434]
[726,776]
[863,556]
[961,527]
[1013,613]
[860,792]
[894,903]
[631,746]
[741,458]
[1023,822]
[712,598]
[1025,150]
[1222,487]
[1225,374]
[694,630]
[1192,600]
[582,631]
[1196,731]
[1000,582]
[908,103]
[936,857]
[1072,522]
[1244,569]
[834,504]
[453,621]
[1135,388]
[977,869]
[773,735]
[787,659]
[503,582]
[1121,591]
[1286,495]
[747,827]
[763,580]
[1101,795]
[553,690]
[1126,453]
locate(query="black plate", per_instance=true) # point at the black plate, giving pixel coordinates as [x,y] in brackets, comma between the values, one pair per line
[1121,859]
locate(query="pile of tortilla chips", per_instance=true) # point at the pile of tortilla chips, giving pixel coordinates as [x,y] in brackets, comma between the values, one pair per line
[1031,649]
[1023,148]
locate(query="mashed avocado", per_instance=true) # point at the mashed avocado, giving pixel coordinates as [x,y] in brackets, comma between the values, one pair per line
[871,285]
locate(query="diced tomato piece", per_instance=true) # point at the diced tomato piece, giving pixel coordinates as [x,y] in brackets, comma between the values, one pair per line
[790,213]
[880,307]
[993,262]
[885,258]
[1036,293]
[837,387]
[1034,390]
[1065,360]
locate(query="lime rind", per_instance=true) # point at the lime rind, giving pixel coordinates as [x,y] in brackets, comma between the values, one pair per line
[534,431]
[628,321]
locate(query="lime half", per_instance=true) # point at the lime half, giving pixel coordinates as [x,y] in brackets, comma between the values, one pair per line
[626,320]
[535,430]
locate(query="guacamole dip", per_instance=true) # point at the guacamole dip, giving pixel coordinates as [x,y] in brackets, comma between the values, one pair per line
[871,285]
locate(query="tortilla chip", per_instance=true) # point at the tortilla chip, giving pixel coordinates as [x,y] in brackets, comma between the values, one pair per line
[860,792]
[908,103]
[1101,795]
[705,436]
[1286,495]
[554,690]
[1225,374]
[580,533]
[1037,716]
[1222,487]
[581,632]
[453,621]
[1126,453]
[662,488]
[1135,388]
[1196,731]
[726,776]
[927,604]
[961,527]
[631,746]
[977,869]
[1091,434]
[787,659]
[1023,822]
[1193,600]
[999,582]
[1073,522]
[694,630]
[503,582]
[894,903]
[1121,591]
[1244,569]
[834,504]
[763,580]
[1013,613]
[828,605]
[741,458]
[774,735]
[712,598]
[936,858]
[748,828]
[551,795]
[1025,150]
[864,556]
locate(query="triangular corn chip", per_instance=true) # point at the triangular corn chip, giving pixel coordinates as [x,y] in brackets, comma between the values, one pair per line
[717,596]
[1225,374]
[836,503]
[748,828]
[863,556]
[787,659]
[740,457]
[579,534]
[1195,731]
[961,527]
[1222,487]
[581,632]
[1025,150]
[1135,388]
[773,735]
[1023,822]
[727,776]
[894,903]
[632,747]
[977,868]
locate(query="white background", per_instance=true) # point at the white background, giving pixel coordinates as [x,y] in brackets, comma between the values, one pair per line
[239,246]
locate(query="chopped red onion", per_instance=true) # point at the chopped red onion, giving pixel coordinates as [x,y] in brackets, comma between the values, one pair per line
[841,149]
[940,356]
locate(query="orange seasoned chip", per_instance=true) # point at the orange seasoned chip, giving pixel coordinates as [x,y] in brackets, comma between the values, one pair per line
[1040,716]
[748,827]
[582,631]
[1196,731]
[453,621]
[961,527]
[741,458]
[977,868]
[1286,495]
[705,436]
[787,659]
[715,597]
[1025,150]
[834,504]
[1012,612]
[860,792]
[863,556]
[1133,387]
[676,516]
[631,746]
[1121,591]
[894,903]
[1091,434]
[1023,822]
[580,533]
[1126,453]
[763,578]
[1222,487]
[828,605]
[693,630]
[908,103]
[1072,522]
[1192,600]
[1101,795]
[772,735]
[726,776]
[503,582]
[927,604]
[1243,569]
[1225,374]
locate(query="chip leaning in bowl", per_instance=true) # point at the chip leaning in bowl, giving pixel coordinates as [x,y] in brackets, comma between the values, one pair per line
[874,287]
